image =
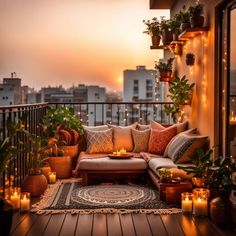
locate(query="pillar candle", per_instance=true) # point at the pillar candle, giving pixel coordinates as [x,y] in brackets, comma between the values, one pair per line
[52,177]
[25,202]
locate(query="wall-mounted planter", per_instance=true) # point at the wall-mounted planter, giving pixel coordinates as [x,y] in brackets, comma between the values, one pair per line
[165,76]
[190,59]
[196,21]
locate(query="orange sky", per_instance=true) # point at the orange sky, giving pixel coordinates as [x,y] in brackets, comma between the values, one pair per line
[74,41]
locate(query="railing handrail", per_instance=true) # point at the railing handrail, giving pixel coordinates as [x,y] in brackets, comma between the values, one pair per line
[110,103]
[23,105]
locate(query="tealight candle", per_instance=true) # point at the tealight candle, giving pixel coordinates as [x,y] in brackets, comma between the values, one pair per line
[25,202]
[15,197]
[118,153]
[200,201]
[187,202]
[122,151]
[52,177]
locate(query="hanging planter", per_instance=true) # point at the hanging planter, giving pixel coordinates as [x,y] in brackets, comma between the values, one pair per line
[165,70]
[190,59]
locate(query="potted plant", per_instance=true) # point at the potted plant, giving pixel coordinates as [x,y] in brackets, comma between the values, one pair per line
[196,18]
[153,29]
[184,19]
[202,162]
[190,59]
[167,34]
[7,152]
[165,69]
[58,161]
[35,182]
[180,92]
[175,26]
[61,124]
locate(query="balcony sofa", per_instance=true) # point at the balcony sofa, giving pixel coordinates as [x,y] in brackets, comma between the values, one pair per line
[153,147]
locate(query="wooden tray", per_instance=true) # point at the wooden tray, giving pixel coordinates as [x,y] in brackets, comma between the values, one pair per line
[125,156]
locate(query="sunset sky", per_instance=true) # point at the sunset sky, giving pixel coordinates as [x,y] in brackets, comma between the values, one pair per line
[74,41]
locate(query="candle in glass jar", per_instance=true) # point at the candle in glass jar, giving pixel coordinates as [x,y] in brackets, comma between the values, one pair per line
[15,198]
[52,177]
[25,202]
[186,202]
[200,207]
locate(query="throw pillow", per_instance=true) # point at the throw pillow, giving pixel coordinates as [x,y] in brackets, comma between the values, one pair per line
[99,141]
[143,127]
[141,139]
[184,146]
[180,126]
[189,131]
[160,139]
[96,128]
[122,137]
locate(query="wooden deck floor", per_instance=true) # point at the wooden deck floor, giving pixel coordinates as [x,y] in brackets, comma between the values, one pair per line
[114,225]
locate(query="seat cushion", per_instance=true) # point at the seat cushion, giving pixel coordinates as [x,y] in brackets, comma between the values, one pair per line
[107,163]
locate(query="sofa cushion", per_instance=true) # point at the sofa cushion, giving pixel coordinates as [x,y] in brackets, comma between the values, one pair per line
[160,139]
[180,126]
[143,127]
[183,146]
[99,141]
[122,137]
[96,128]
[107,163]
[141,139]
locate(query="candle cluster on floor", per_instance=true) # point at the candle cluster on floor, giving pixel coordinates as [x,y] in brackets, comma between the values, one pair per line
[195,202]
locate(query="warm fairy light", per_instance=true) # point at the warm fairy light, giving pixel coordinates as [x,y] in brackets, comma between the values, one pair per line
[191,70]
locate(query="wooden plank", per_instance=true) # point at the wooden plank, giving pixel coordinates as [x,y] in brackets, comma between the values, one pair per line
[206,227]
[84,225]
[188,225]
[127,225]
[69,225]
[54,225]
[172,226]
[39,225]
[156,225]
[25,225]
[141,225]
[113,225]
[17,219]
[99,225]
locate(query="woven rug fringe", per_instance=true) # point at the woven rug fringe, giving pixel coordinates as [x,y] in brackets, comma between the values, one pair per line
[110,210]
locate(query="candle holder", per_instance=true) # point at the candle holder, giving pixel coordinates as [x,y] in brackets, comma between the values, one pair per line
[52,178]
[200,201]
[25,202]
[15,197]
[187,202]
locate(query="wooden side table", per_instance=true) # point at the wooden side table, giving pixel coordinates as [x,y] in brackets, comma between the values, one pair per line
[171,192]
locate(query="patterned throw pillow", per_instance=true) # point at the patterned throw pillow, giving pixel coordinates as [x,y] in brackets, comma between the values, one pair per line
[99,141]
[141,139]
[122,137]
[180,126]
[184,146]
[96,128]
[160,139]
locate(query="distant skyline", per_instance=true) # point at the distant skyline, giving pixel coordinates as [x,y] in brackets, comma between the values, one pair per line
[74,41]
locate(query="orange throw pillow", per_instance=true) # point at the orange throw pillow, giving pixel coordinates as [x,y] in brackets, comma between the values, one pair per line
[160,139]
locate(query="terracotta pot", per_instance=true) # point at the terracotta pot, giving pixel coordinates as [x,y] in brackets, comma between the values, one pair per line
[156,40]
[6,214]
[220,211]
[45,171]
[184,26]
[198,182]
[190,61]
[35,184]
[165,76]
[167,37]
[61,165]
[196,21]
[72,151]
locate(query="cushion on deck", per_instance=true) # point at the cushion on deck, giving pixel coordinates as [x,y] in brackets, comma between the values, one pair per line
[107,163]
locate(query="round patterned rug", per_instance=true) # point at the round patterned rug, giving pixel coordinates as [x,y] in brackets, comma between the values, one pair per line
[112,195]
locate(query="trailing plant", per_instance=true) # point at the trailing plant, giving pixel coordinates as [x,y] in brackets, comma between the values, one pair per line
[7,149]
[153,27]
[165,66]
[180,92]
[196,10]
